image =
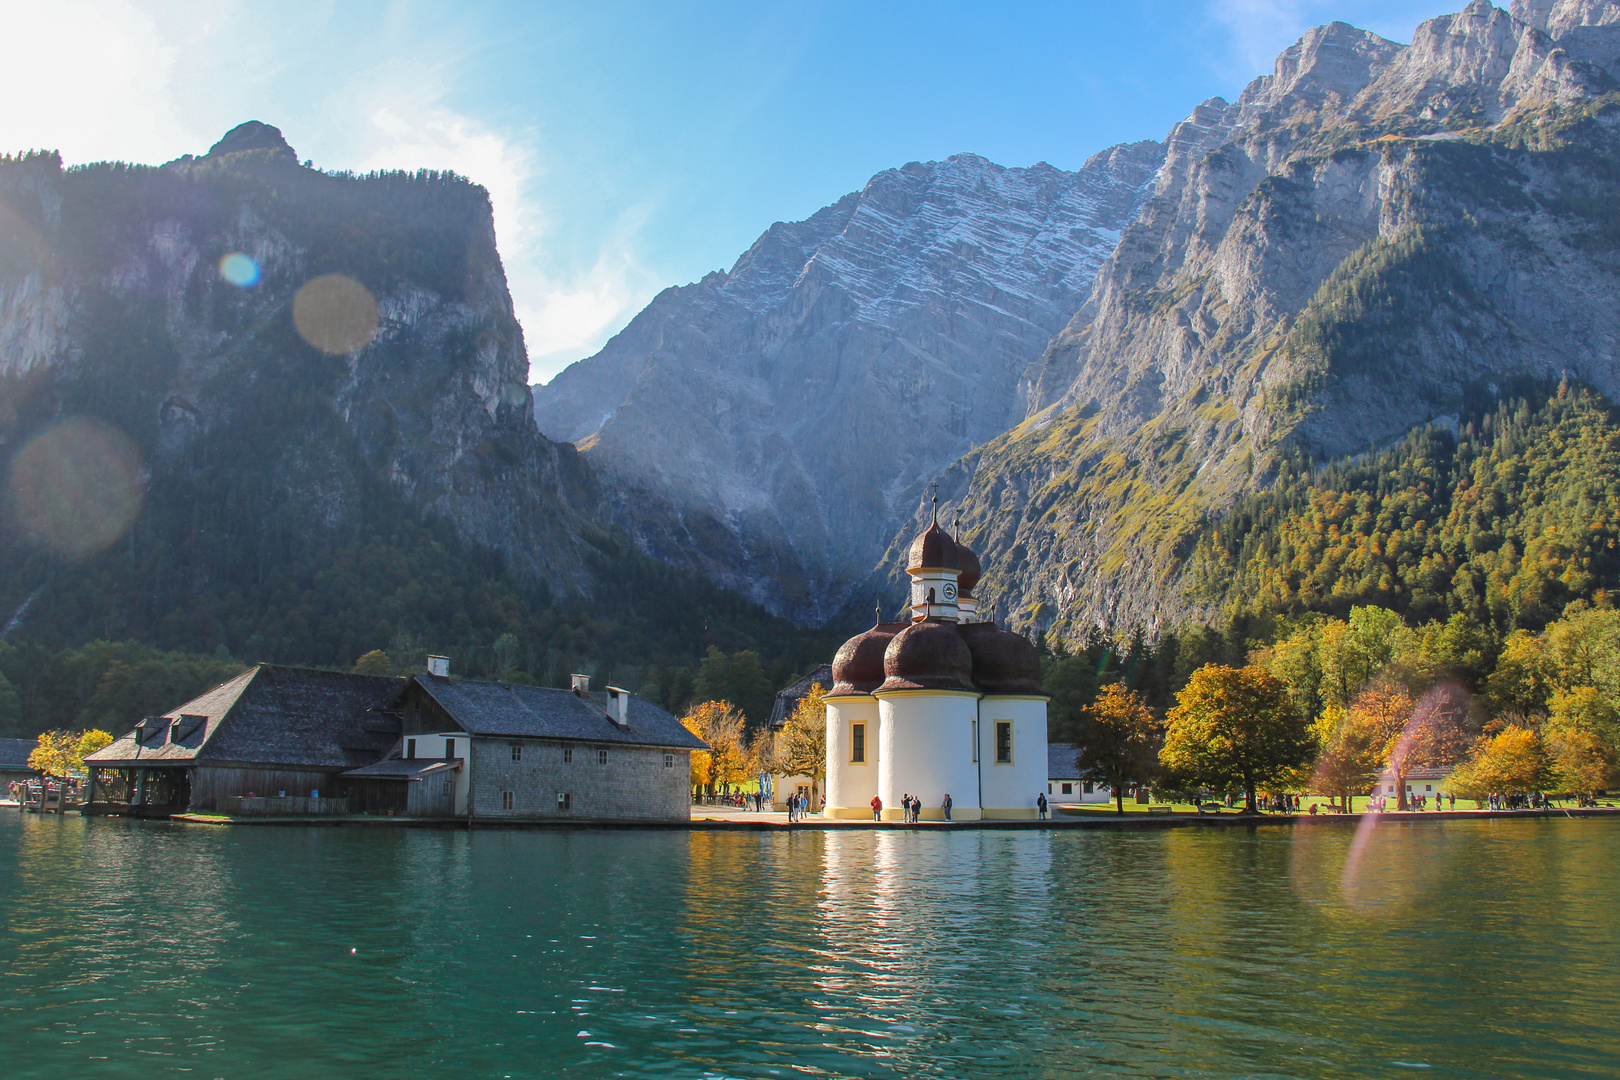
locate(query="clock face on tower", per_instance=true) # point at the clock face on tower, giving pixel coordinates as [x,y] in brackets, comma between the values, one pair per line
[950,592]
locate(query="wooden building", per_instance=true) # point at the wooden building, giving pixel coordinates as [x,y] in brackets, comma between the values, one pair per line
[14,762]
[272,740]
[286,741]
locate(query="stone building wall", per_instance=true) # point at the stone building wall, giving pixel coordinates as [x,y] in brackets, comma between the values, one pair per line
[634,784]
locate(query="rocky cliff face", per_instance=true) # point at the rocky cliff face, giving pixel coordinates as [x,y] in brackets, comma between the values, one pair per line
[772,424]
[276,353]
[1332,259]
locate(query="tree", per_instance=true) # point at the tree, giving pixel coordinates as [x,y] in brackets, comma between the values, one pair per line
[740,679]
[801,745]
[62,753]
[1380,717]
[1234,727]
[10,709]
[720,725]
[1118,740]
[1515,759]
[1583,737]
[1349,755]
[1071,683]
[375,662]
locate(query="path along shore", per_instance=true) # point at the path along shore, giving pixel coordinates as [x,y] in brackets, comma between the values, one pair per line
[718,820]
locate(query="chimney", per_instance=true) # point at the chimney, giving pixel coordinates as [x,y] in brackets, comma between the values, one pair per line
[439,667]
[580,684]
[619,706]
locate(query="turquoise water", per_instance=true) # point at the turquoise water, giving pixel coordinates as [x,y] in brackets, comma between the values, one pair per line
[1462,949]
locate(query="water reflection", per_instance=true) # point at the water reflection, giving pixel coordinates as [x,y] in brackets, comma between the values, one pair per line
[268,952]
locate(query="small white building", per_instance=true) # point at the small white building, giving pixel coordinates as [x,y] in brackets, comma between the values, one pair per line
[1066,785]
[1419,782]
[940,705]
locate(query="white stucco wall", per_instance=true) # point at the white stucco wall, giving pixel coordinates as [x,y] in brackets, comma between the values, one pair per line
[1009,789]
[925,747]
[851,785]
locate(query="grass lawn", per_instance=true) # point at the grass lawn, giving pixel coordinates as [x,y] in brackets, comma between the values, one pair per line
[1358,805]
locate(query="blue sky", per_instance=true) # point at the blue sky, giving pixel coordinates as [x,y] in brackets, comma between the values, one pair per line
[633,145]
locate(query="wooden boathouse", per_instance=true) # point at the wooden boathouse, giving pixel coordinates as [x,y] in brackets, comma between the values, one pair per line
[272,740]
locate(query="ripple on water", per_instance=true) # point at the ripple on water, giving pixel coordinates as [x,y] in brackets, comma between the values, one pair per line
[1463,949]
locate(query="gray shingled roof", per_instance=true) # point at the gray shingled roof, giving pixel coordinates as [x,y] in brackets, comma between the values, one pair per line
[14,752]
[787,700]
[540,712]
[276,716]
[1060,762]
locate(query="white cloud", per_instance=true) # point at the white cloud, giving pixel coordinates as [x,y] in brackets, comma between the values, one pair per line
[565,315]
[88,79]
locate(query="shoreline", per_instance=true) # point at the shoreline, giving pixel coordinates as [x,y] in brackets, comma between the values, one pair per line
[739,824]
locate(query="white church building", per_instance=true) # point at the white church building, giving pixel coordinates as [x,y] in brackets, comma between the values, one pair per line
[941,705]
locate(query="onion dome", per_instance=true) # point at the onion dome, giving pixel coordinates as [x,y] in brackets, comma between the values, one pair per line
[932,550]
[928,655]
[1003,662]
[969,577]
[858,667]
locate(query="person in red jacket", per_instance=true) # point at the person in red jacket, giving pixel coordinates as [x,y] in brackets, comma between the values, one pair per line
[877,808]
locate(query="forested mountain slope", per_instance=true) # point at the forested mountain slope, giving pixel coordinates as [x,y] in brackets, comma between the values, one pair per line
[1367,238]
[249,406]
[773,424]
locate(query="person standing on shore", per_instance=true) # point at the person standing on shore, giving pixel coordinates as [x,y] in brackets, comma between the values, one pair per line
[877,808]
[946,806]
[1040,806]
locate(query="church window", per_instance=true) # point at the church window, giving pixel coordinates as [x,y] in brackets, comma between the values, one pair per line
[517,752]
[857,744]
[568,755]
[975,724]
[410,748]
[1004,742]
[601,757]
[563,800]
[506,800]
[669,761]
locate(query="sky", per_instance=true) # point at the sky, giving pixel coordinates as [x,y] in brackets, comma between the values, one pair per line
[630,146]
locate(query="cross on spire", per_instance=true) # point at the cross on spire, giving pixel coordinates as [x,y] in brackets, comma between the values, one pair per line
[934,487]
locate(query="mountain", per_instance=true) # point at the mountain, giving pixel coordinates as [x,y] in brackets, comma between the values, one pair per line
[250,406]
[1367,238]
[771,425]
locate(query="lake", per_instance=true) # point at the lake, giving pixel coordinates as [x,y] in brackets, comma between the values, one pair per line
[1481,948]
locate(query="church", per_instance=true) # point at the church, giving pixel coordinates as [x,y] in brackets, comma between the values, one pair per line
[943,704]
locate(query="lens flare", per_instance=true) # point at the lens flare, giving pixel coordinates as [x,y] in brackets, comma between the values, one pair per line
[75,488]
[335,313]
[240,270]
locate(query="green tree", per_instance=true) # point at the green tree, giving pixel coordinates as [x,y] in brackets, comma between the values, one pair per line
[375,662]
[740,679]
[1118,742]
[1234,727]
[10,710]
[1072,683]
[1583,737]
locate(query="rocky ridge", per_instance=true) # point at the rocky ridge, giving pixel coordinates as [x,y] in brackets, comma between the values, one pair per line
[772,423]
[1330,260]
[114,305]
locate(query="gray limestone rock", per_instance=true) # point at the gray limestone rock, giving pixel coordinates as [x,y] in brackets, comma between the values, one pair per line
[772,424]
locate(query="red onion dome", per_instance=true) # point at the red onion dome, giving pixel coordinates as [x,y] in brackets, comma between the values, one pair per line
[1003,662]
[932,550]
[969,577]
[928,655]
[858,667]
